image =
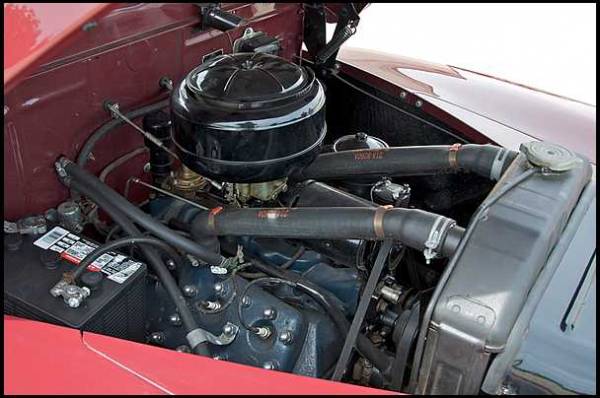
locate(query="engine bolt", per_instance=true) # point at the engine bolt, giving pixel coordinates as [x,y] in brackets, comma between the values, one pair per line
[403,94]
[286,337]
[175,319]
[246,301]
[193,261]
[269,365]
[228,330]
[183,348]
[157,338]
[189,290]
[171,265]
[418,103]
[270,313]
[219,288]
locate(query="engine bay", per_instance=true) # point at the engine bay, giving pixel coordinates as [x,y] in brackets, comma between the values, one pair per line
[283,219]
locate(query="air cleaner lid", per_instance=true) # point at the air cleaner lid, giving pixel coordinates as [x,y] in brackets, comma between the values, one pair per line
[249,77]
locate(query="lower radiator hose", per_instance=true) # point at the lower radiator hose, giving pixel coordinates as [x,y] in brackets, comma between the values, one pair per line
[418,229]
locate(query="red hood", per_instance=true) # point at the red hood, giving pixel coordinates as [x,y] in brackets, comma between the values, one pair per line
[32,29]
[495,107]
[506,112]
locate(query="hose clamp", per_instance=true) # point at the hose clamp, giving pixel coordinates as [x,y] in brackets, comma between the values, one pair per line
[211,218]
[378,220]
[453,156]
[434,241]
[498,164]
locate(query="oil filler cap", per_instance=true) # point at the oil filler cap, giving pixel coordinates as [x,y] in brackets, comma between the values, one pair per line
[549,156]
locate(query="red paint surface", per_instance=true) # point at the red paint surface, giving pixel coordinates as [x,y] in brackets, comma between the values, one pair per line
[503,112]
[42,358]
[32,29]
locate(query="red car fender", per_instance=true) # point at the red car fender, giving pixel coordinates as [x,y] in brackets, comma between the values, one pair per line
[40,358]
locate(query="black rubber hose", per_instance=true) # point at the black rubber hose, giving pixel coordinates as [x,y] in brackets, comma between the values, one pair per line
[109,126]
[326,301]
[127,241]
[187,318]
[76,173]
[486,160]
[412,227]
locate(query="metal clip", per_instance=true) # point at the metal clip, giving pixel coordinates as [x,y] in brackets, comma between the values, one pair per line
[434,240]
[199,336]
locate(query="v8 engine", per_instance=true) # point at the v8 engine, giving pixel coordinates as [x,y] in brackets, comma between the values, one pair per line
[269,229]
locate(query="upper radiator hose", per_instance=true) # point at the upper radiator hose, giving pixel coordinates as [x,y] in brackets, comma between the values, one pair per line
[485,160]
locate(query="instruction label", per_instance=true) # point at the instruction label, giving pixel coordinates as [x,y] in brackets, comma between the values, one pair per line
[74,249]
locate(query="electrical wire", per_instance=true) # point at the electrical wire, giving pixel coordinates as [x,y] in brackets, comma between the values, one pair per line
[112,231]
[93,213]
[266,280]
[233,295]
[253,275]
[294,258]
[120,161]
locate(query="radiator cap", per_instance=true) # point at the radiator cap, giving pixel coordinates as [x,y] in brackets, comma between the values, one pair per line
[550,156]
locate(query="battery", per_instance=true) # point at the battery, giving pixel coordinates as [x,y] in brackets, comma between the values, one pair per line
[115,307]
